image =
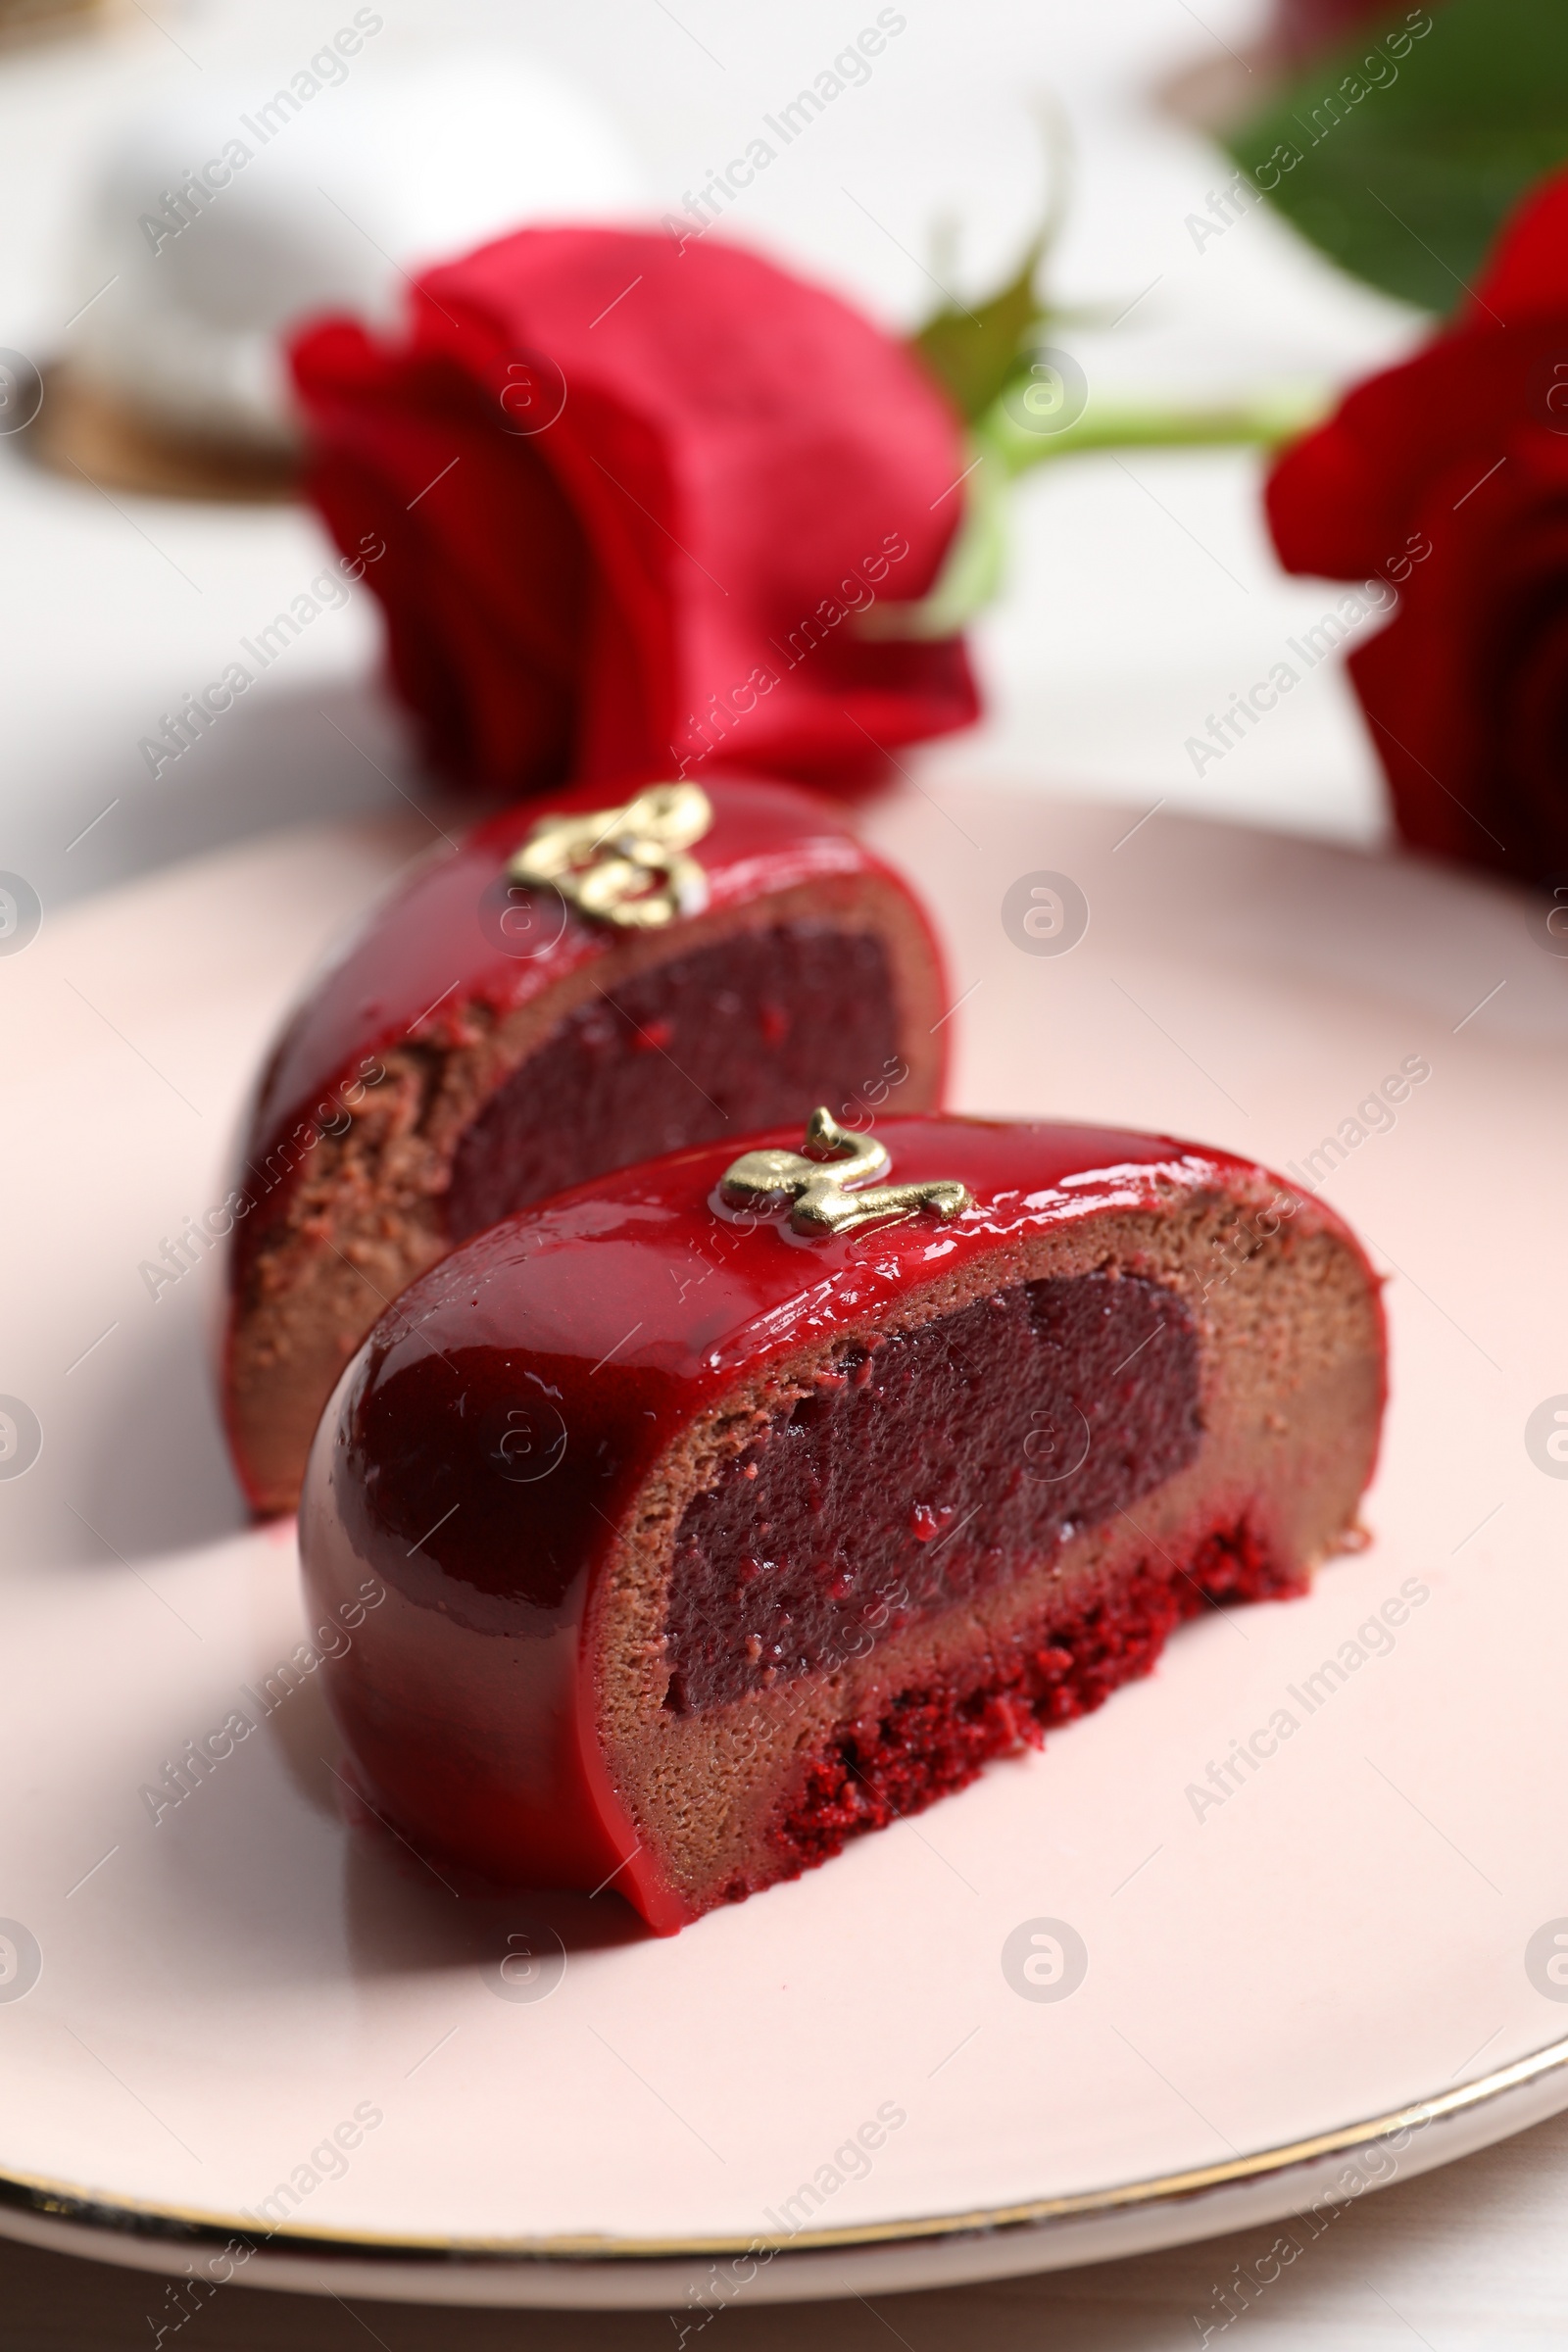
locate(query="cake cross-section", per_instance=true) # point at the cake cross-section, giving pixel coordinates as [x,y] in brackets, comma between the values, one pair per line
[576,987]
[710,1540]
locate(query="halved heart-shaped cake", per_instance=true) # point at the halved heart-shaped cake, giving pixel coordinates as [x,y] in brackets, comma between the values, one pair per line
[573,988]
[744,1501]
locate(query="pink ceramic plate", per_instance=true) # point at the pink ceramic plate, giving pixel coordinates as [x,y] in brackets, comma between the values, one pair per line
[247,2038]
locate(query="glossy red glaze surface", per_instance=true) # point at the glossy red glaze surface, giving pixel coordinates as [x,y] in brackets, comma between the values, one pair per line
[450,938]
[496,1428]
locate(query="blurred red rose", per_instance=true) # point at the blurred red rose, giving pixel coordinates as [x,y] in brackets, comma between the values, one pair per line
[634,499]
[1448,476]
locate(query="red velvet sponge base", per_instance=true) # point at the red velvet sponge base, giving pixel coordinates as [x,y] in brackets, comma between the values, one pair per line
[930,1742]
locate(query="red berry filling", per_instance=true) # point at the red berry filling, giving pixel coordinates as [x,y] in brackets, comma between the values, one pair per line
[940,1463]
[693,1050]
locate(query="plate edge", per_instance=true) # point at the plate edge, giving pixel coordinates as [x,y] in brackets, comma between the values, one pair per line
[71,2204]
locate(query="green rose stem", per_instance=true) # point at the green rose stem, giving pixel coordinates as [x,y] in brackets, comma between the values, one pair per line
[1015,434]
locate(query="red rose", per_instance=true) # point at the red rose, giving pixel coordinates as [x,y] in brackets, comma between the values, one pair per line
[633,498]
[1449,476]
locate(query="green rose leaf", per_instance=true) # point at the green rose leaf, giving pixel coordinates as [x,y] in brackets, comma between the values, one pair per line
[973,354]
[1400,153]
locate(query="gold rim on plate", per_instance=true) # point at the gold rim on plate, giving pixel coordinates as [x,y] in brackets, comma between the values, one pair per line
[67,2203]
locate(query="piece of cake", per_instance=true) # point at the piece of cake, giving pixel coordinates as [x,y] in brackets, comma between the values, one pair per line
[721,959]
[738,1503]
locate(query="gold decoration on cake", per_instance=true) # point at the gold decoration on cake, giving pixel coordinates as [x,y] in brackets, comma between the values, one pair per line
[630,866]
[837,1195]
